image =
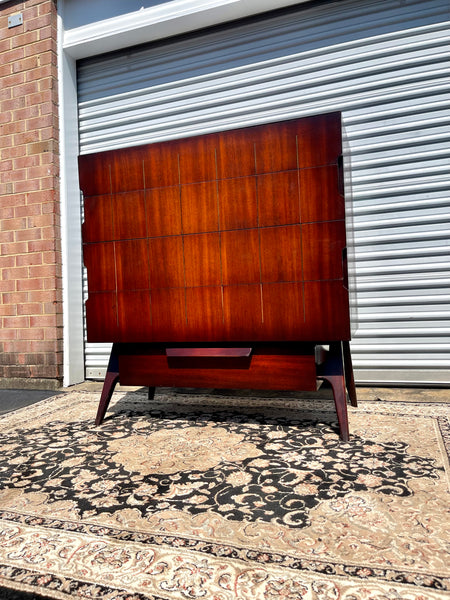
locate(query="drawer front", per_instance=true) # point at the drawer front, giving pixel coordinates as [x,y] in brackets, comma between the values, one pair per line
[261,371]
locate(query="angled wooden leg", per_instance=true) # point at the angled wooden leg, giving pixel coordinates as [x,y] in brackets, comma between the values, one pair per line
[348,370]
[340,402]
[332,370]
[111,379]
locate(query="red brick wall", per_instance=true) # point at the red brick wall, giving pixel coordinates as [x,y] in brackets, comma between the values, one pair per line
[30,248]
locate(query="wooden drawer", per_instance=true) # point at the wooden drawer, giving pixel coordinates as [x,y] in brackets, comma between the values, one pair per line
[264,368]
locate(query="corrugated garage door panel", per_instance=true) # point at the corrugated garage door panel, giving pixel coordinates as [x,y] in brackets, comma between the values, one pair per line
[386,66]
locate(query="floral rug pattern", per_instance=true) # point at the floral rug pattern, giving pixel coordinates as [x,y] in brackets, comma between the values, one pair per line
[224,498]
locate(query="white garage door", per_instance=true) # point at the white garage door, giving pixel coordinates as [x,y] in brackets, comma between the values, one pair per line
[386,66]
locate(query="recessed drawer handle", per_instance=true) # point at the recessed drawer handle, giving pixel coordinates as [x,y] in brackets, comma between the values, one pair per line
[208,352]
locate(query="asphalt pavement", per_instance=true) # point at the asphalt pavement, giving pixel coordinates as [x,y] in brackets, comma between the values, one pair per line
[13,399]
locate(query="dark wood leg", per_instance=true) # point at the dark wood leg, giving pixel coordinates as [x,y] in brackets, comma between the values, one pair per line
[151,393]
[332,370]
[111,379]
[348,370]
[340,402]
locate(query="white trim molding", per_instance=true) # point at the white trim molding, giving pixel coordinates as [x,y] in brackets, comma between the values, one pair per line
[159,22]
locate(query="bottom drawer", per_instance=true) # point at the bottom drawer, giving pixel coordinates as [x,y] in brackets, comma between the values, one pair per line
[263,369]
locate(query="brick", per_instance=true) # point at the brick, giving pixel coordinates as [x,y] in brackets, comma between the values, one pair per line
[44,271]
[28,112]
[51,308]
[8,358]
[6,69]
[49,233]
[35,333]
[39,47]
[7,346]
[39,74]
[51,258]
[41,147]
[13,224]
[14,371]
[40,346]
[40,196]
[45,371]
[14,200]
[41,220]
[46,32]
[47,82]
[31,308]
[28,235]
[47,108]
[7,212]
[6,262]
[48,58]
[39,121]
[15,273]
[29,285]
[30,12]
[6,117]
[6,188]
[38,172]
[6,141]
[30,259]
[43,3]
[6,237]
[7,285]
[5,45]
[41,245]
[7,310]
[26,89]
[44,321]
[13,80]
[6,165]
[25,64]
[14,175]
[13,127]
[14,297]
[28,210]
[43,296]
[27,186]
[10,55]
[55,283]
[13,103]
[14,152]
[38,97]
[23,162]
[21,322]
[8,334]
[24,39]
[46,7]
[50,208]
[26,137]
[47,133]
[52,333]
[5,95]
[48,183]
[40,23]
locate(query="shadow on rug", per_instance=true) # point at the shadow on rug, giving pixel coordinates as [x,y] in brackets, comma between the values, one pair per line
[223,498]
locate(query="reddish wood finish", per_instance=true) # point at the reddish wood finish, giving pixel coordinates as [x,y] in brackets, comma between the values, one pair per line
[242,193]
[278,198]
[267,369]
[246,208]
[221,238]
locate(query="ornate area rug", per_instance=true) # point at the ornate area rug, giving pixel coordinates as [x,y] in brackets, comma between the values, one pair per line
[223,498]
